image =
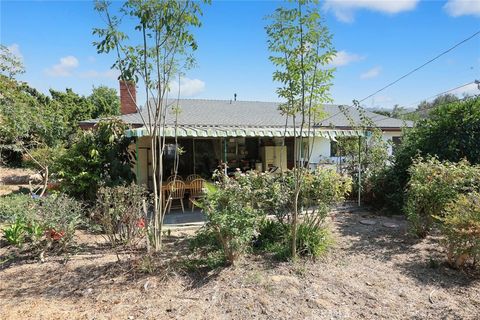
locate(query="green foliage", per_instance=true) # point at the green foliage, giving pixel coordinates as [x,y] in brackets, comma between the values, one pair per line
[45,223]
[10,63]
[99,157]
[237,208]
[14,234]
[231,217]
[451,132]
[312,241]
[29,119]
[105,102]
[275,237]
[460,226]
[119,212]
[383,190]
[15,205]
[59,215]
[432,185]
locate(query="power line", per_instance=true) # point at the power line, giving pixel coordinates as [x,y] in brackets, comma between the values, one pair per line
[433,106]
[410,72]
[428,98]
[421,66]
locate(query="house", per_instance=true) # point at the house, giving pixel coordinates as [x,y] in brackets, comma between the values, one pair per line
[243,134]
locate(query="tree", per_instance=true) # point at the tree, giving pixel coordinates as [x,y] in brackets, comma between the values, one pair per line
[301,49]
[10,64]
[164,50]
[105,102]
[451,132]
[98,157]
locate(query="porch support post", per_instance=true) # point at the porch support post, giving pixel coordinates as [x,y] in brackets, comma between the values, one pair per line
[225,156]
[194,166]
[137,165]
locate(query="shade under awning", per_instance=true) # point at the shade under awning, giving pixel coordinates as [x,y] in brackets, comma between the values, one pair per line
[217,132]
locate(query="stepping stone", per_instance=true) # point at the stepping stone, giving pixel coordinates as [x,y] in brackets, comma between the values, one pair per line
[390,225]
[368,222]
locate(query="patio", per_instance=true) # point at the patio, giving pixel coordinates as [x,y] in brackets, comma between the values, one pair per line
[177,219]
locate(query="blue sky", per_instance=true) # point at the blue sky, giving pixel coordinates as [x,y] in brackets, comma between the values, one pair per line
[377,41]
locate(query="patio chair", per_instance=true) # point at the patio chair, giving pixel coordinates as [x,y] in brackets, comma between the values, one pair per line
[176,191]
[174,177]
[192,177]
[196,191]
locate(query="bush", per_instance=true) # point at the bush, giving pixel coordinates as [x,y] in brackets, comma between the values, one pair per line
[15,205]
[231,216]
[275,237]
[383,189]
[119,212]
[98,158]
[432,185]
[451,132]
[461,228]
[46,223]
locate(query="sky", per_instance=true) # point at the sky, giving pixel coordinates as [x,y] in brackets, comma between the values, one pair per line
[376,42]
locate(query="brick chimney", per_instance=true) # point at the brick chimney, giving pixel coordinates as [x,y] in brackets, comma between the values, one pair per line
[128,97]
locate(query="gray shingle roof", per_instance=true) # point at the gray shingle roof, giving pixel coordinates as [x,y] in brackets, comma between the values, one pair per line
[198,112]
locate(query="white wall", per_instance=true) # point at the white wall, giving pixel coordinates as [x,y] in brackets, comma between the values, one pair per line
[320,147]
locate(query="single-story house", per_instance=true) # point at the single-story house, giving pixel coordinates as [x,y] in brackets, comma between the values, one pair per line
[242,134]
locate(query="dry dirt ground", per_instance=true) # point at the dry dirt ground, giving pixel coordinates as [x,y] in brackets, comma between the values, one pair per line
[373,272]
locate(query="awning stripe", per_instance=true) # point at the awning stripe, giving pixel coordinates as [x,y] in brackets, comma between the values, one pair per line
[214,132]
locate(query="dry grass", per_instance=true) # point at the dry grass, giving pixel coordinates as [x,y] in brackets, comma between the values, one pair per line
[373,272]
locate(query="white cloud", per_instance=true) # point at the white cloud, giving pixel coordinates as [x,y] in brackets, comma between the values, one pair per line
[343,58]
[344,10]
[188,87]
[372,73]
[109,74]
[14,49]
[64,68]
[457,8]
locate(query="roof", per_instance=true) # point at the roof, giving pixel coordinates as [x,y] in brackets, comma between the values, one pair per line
[248,114]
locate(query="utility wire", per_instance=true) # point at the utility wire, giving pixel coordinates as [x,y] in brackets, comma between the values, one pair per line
[410,72]
[423,65]
[434,96]
[434,106]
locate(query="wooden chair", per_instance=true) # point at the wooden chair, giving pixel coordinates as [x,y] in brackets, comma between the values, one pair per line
[196,191]
[176,191]
[174,177]
[192,177]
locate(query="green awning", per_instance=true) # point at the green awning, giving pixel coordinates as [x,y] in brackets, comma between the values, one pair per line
[217,132]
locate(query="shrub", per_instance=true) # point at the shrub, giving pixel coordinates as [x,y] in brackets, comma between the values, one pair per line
[15,205]
[275,237]
[231,217]
[14,234]
[119,212]
[44,223]
[99,157]
[383,189]
[461,228]
[451,132]
[312,241]
[432,185]
[59,215]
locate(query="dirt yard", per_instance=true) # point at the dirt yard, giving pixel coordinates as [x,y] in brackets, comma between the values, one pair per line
[373,272]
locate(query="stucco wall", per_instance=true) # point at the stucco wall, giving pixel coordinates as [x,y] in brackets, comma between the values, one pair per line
[320,147]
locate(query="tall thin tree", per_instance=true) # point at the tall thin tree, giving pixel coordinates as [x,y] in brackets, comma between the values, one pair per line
[301,49]
[153,54]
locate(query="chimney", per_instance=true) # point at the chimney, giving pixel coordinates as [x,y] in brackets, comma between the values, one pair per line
[128,97]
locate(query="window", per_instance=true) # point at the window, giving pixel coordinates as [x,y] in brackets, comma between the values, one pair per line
[333,148]
[396,141]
